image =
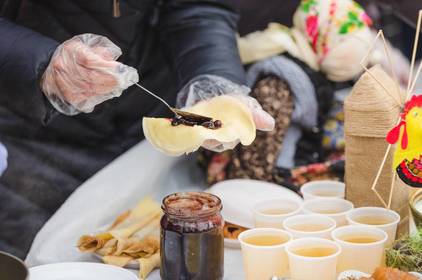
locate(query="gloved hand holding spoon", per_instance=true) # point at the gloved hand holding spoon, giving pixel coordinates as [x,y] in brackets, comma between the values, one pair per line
[84,72]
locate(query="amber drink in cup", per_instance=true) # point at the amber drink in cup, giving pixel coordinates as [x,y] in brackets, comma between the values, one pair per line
[362,247]
[335,208]
[313,259]
[310,226]
[263,251]
[272,213]
[323,188]
[378,217]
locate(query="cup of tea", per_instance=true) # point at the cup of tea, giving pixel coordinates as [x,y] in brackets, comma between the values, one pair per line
[416,207]
[323,188]
[264,254]
[335,208]
[301,226]
[12,268]
[312,259]
[272,213]
[362,247]
[378,217]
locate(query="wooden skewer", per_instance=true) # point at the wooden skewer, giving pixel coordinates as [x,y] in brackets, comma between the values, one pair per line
[387,53]
[414,81]
[415,47]
[380,198]
[393,184]
[363,64]
[374,184]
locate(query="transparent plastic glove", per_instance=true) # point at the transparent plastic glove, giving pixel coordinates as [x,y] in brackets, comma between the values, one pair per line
[83,72]
[205,87]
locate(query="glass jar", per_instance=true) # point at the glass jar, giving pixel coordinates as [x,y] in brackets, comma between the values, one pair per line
[192,242]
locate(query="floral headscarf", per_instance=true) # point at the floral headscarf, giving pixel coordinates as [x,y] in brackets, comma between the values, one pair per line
[337,32]
[331,36]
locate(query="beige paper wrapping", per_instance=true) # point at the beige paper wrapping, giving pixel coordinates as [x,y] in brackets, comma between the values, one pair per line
[370,112]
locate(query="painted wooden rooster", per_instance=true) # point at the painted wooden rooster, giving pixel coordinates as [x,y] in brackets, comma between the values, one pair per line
[408,155]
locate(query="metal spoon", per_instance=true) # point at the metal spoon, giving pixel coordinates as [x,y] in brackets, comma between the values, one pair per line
[191,117]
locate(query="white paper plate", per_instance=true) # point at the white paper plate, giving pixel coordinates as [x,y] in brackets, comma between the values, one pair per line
[352,273]
[240,195]
[79,271]
[231,243]
[357,274]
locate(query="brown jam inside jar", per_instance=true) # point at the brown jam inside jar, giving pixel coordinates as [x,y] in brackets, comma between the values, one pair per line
[192,242]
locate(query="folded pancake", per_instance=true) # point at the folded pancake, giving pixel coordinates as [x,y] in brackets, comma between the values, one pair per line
[146,265]
[237,126]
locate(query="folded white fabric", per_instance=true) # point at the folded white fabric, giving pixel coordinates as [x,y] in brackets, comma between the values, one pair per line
[3,158]
[113,190]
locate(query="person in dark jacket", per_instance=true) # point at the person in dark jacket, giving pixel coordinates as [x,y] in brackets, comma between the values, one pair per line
[47,77]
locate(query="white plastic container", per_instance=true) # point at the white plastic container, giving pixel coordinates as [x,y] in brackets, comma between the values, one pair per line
[323,226]
[312,268]
[390,228]
[335,208]
[323,188]
[263,262]
[264,219]
[365,257]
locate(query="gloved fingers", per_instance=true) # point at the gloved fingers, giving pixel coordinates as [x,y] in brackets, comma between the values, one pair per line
[106,82]
[83,83]
[218,147]
[104,53]
[205,87]
[95,43]
[83,73]
[103,44]
[64,86]
[82,77]
[210,144]
[263,120]
[79,90]
[84,56]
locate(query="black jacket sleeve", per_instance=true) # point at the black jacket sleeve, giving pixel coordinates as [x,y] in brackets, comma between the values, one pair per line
[200,38]
[24,55]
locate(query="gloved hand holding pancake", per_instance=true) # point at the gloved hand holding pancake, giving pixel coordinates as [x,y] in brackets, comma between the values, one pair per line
[219,99]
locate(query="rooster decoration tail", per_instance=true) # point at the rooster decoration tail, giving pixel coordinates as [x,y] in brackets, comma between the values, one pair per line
[408,132]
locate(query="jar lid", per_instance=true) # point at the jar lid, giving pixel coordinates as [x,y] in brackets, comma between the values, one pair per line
[191,204]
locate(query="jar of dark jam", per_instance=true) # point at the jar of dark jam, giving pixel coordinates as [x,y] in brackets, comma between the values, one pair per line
[192,242]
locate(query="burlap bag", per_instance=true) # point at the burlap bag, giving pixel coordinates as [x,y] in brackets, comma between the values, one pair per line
[370,112]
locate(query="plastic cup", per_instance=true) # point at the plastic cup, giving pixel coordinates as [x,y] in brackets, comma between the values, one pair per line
[263,262]
[335,208]
[365,257]
[354,216]
[301,226]
[272,213]
[312,268]
[324,188]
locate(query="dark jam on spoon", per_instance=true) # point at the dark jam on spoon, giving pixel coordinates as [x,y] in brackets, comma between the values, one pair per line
[192,242]
[191,121]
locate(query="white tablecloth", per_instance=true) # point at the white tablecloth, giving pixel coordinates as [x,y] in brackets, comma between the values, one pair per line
[119,186]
